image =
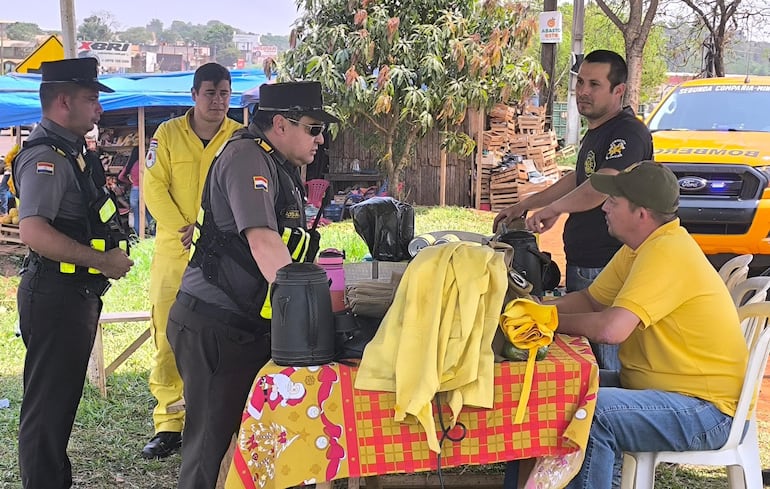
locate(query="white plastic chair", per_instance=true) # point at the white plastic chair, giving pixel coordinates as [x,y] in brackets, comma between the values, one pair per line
[735,270]
[740,456]
[751,290]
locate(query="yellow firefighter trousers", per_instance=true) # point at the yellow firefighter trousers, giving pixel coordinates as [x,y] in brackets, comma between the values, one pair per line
[165,383]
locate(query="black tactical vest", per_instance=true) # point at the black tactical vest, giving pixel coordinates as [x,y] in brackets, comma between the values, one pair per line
[224,257]
[102,224]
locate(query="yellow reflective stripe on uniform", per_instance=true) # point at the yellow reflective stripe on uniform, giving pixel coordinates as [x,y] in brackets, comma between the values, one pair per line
[264,145]
[99,245]
[297,241]
[300,250]
[300,257]
[267,308]
[107,210]
[196,232]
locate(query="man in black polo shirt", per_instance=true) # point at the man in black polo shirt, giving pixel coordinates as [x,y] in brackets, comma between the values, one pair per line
[615,139]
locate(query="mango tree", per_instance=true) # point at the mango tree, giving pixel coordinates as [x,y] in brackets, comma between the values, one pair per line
[407,67]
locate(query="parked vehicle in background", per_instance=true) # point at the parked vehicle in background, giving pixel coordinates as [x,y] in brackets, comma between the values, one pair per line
[715,135]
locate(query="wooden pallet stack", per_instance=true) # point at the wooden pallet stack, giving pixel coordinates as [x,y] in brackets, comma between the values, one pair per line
[519,134]
[504,189]
[502,125]
[488,161]
[537,148]
[541,148]
[9,233]
[531,120]
[534,143]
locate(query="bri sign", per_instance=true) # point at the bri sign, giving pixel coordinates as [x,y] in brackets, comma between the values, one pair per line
[112,56]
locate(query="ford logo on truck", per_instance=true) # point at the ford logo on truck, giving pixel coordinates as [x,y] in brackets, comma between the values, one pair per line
[692,183]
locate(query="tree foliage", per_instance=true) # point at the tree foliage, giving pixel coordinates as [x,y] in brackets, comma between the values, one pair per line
[155,27]
[136,35]
[634,20]
[407,67]
[601,33]
[281,42]
[218,35]
[22,31]
[100,26]
[228,56]
[718,21]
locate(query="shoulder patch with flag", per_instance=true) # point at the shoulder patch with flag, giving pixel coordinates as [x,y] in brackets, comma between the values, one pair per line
[260,183]
[149,160]
[45,168]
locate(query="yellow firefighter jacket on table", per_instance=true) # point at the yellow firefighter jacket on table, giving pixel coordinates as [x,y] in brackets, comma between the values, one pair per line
[437,334]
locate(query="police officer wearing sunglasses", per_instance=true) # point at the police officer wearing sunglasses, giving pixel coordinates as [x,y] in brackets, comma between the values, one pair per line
[252,222]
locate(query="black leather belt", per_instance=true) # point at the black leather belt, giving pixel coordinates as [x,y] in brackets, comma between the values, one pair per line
[37,264]
[219,314]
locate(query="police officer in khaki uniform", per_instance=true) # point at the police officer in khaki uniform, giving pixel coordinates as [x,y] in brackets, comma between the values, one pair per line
[66,221]
[252,223]
[177,162]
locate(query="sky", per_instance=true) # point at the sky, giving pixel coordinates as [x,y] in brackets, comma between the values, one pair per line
[257,16]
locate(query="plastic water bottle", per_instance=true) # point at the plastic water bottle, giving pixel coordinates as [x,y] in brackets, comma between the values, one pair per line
[331,260]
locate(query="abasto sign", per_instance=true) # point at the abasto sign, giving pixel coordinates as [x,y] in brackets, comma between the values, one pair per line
[550,27]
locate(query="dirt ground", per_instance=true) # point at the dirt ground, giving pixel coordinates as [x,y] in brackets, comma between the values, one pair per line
[551,242]
[11,256]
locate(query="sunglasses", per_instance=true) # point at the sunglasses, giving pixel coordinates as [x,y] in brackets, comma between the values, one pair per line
[313,129]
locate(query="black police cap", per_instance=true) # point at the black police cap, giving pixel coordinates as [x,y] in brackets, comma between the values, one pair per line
[302,96]
[83,71]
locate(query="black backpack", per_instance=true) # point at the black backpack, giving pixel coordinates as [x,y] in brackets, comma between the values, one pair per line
[534,265]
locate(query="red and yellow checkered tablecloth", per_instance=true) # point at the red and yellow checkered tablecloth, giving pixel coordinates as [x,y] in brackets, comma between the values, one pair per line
[309,424]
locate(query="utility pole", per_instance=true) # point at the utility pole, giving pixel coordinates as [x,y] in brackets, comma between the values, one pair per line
[68,27]
[573,117]
[548,62]
[2,56]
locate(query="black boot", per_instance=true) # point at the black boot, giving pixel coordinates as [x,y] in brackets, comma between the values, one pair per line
[162,445]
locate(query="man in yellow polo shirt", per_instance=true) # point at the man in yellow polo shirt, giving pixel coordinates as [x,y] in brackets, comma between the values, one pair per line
[682,352]
[178,160]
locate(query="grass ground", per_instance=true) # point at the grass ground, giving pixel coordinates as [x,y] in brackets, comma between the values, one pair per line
[110,432]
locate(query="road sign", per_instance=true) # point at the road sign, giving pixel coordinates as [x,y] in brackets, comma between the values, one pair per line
[50,50]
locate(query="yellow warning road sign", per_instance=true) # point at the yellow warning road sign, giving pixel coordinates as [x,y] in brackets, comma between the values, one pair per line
[50,50]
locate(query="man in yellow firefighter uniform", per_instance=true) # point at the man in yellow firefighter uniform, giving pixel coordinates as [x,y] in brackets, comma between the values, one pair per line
[252,222]
[178,159]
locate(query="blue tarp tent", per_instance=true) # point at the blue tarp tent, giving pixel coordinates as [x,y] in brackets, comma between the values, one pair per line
[19,103]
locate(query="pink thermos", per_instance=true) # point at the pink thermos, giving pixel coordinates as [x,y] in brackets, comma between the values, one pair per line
[331,261]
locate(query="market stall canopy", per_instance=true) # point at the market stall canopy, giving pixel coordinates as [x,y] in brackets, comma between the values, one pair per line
[250,97]
[20,105]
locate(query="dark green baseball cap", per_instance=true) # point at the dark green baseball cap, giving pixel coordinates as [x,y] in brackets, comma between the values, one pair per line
[646,184]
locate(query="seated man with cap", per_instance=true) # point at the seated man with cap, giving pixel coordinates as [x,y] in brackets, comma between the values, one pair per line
[252,222]
[682,352]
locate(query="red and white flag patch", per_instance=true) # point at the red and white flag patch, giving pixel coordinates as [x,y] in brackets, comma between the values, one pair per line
[45,168]
[260,183]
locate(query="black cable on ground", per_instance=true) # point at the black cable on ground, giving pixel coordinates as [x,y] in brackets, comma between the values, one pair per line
[445,435]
